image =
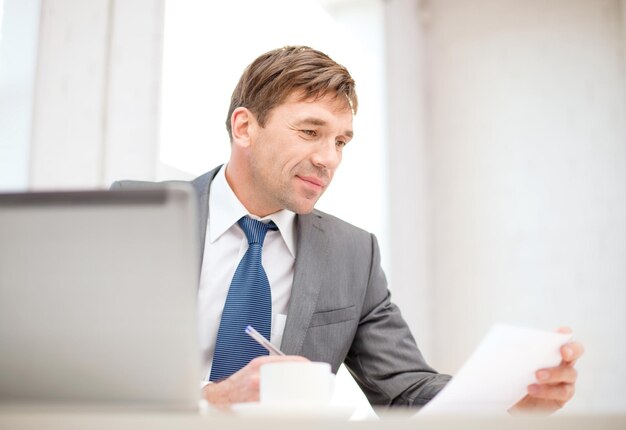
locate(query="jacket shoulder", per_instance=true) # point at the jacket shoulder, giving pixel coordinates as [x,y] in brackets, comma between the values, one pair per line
[200,183]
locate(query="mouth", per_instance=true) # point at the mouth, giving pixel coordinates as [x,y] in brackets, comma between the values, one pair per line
[312,182]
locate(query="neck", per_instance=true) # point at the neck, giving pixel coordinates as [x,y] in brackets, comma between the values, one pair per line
[243,186]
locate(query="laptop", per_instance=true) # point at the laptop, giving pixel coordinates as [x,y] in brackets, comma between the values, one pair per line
[98,299]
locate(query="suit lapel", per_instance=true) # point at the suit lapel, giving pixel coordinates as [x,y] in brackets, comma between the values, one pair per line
[311,259]
[202,186]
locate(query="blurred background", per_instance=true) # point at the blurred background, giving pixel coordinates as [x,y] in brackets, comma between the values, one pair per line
[489,155]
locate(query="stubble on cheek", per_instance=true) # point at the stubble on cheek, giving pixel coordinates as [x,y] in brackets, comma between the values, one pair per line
[293,192]
[295,197]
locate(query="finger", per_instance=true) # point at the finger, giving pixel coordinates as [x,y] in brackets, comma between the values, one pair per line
[572,351]
[556,392]
[557,375]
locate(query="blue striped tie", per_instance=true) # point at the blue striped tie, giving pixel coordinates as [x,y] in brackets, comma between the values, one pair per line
[249,302]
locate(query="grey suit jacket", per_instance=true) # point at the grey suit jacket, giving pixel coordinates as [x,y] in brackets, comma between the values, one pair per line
[340,309]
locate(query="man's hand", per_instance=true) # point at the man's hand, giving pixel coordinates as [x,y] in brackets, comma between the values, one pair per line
[242,386]
[554,386]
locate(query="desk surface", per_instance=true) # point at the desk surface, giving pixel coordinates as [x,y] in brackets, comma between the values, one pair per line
[389,421]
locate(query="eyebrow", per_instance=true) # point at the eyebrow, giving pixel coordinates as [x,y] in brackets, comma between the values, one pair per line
[320,123]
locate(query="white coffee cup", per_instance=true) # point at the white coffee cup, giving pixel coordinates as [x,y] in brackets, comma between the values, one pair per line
[296,383]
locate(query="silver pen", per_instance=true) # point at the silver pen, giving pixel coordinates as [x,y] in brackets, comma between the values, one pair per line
[260,339]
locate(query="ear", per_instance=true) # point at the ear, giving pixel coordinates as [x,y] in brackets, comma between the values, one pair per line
[243,125]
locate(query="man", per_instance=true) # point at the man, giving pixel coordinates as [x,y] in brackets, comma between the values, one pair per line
[290,118]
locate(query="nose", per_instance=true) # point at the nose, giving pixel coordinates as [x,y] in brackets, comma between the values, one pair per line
[327,155]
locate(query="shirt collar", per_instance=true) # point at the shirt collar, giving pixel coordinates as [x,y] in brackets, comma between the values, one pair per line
[231,210]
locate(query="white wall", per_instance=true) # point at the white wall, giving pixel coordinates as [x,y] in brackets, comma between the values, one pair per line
[525,137]
[96,106]
[410,257]
[19,31]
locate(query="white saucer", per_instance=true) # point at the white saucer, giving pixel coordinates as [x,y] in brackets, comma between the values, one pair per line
[293,411]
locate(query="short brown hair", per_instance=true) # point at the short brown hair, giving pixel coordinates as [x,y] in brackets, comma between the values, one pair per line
[275,75]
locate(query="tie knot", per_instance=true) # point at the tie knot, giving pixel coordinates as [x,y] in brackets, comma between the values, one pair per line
[255,230]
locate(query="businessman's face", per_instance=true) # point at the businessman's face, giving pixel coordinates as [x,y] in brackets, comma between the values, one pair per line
[293,158]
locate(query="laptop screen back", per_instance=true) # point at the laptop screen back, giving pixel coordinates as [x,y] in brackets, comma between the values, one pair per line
[98,299]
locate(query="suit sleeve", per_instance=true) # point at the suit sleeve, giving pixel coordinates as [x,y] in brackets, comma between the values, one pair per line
[384,358]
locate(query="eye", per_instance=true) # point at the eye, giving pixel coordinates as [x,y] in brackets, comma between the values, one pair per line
[340,144]
[310,133]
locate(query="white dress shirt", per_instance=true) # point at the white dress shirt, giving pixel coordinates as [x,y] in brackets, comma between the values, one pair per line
[225,244]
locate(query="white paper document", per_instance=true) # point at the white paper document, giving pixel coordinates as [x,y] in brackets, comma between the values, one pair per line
[498,372]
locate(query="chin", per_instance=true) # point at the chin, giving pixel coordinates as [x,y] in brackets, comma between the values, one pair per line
[302,208]
[301,204]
